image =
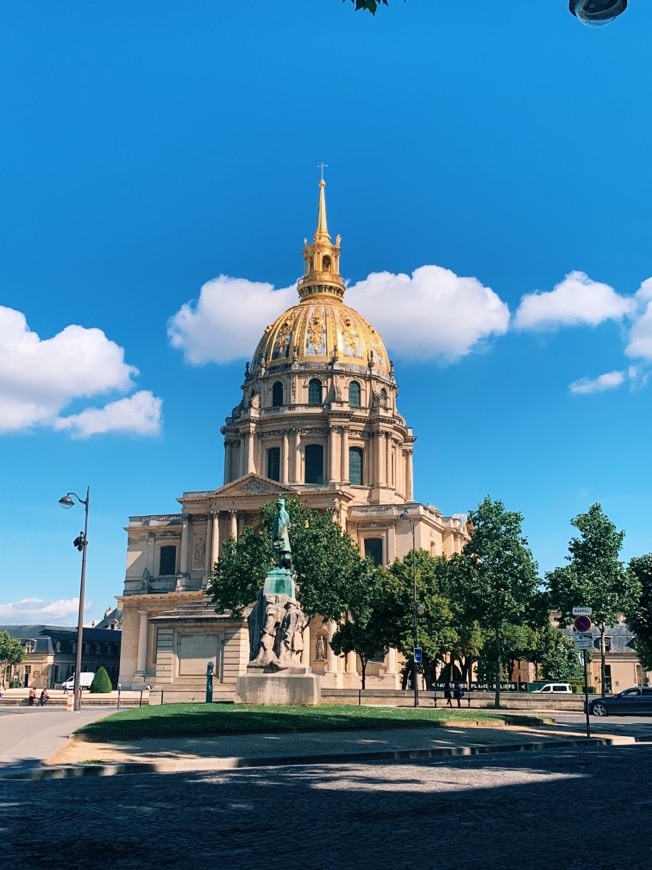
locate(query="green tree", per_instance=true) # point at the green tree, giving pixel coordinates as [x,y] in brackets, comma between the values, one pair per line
[594,577]
[12,652]
[557,656]
[368,5]
[101,682]
[363,629]
[639,613]
[501,575]
[434,617]
[327,564]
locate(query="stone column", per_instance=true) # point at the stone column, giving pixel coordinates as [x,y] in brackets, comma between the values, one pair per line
[294,456]
[331,658]
[250,467]
[183,555]
[388,459]
[391,661]
[284,459]
[332,455]
[409,488]
[141,658]
[227,461]
[377,464]
[344,448]
[214,552]
[149,557]
[233,524]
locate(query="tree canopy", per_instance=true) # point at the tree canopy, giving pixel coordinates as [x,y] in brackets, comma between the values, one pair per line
[639,613]
[594,576]
[12,652]
[328,565]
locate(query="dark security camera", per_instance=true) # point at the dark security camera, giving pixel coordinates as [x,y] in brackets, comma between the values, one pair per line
[595,13]
[79,542]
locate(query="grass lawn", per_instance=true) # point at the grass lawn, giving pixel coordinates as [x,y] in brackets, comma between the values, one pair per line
[181,720]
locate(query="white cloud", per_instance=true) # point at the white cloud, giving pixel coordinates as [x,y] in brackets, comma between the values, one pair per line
[139,414]
[40,377]
[607,381]
[639,345]
[433,313]
[576,301]
[227,320]
[33,610]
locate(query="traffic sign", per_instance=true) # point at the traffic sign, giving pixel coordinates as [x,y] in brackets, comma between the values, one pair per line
[582,623]
[582,611]
[418,655]
[583,641]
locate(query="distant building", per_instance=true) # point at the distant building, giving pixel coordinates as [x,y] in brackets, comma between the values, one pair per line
[51,651]
[317,419]
[622,666]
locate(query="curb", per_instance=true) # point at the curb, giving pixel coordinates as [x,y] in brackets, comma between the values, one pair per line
[238,763]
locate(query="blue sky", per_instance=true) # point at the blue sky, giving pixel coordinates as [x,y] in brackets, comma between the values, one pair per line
[488,170]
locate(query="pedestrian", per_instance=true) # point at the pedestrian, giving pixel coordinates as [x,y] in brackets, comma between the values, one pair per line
[31,697]
[44,697]
[457,694]
[447,694]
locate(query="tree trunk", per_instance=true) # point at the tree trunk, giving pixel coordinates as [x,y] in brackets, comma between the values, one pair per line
[363,675]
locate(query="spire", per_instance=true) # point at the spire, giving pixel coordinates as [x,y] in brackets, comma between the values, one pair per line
[321,234]
[322,258]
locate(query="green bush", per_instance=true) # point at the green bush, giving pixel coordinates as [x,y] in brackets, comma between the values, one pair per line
[101,682]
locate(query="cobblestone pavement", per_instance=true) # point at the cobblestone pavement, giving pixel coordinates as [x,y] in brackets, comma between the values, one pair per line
[576,808]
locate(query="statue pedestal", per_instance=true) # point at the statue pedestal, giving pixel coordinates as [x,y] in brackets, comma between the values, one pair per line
[295,686]
[279,581]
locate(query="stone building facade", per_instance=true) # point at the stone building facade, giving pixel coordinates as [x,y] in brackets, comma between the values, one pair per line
[317,418]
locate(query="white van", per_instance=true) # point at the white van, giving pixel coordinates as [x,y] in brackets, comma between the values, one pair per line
[554,689]
[85,680]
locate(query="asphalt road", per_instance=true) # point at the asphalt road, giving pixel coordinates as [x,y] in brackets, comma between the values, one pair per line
[576,808]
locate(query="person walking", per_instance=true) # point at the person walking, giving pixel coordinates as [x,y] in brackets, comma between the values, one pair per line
[457,694]
[447,694]
[31,697]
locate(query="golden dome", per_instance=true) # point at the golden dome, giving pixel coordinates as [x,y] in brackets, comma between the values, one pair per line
[321,328]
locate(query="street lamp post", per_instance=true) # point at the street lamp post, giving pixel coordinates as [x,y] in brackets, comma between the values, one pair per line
[81,543]
[415,607]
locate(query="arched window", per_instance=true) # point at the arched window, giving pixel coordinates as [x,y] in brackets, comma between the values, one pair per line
[314,392]
[383,398]
[355,465]
[354,394]
[326,264]
[277,395]
[314,463]
[274,463]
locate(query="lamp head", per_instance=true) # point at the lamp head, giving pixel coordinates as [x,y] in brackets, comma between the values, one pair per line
[66,501]
[596,13]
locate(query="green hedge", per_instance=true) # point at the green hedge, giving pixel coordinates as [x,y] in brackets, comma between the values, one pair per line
[101,682]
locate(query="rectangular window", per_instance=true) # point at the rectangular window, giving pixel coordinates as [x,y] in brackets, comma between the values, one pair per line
[373,549]
[274,463]
[168,562]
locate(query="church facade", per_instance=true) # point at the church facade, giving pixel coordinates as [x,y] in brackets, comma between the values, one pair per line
[318,419]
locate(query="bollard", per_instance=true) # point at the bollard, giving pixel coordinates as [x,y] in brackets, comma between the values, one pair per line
[119,688]
[209,682]
[70,702]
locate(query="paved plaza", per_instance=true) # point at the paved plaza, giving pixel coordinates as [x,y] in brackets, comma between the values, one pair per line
[556,808]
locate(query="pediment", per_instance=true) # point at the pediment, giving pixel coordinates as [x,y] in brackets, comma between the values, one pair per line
[252,484]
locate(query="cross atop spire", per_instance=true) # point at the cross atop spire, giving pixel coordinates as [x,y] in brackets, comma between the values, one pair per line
[321,167]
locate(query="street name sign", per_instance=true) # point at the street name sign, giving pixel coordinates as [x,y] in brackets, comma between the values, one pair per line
[582,611]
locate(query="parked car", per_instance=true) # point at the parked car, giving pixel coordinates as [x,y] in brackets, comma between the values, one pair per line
[85,680]
[554,689]
[636,701]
